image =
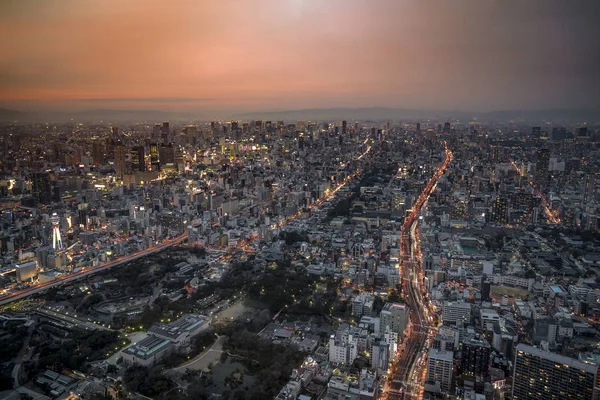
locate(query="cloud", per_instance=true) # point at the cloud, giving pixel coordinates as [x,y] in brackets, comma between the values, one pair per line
[148,99]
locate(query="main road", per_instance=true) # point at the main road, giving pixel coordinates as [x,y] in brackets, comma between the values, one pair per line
[89,271]
[39,288]
[409,368]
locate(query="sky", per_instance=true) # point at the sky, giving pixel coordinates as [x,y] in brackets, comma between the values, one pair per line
[186,55]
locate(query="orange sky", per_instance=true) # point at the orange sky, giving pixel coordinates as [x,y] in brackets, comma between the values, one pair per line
[286,54]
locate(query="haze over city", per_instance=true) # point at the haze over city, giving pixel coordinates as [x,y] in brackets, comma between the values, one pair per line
[299,200]
[227,56]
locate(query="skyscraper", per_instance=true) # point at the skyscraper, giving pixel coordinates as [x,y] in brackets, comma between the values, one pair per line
[165,133]
[500,210]
[97,152]
[540,374]
[536,132]
[119,160]
[589,188]
[154,157]
[344,128]
[475,357]
[542,167]
[394,316]
[137,159]
[439,371]
[42,188]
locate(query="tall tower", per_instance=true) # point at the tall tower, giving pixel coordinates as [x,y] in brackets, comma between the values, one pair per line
[120,160]
[57,243]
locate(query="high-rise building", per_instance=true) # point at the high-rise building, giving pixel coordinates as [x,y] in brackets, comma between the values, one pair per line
[418,127]
[344,128]
[456,311]
[439,371]
[154,157]
[475,357]
[542,167]
[541,374]
[167,154]
[589,188]
[97,152]
[137,159]
[165,133]
[447,127]
[394,316]
[583,132]
[42,187]
[500,210]
[119,159]
[536,132]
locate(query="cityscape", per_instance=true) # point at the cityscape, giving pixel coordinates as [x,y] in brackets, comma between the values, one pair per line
[310,243]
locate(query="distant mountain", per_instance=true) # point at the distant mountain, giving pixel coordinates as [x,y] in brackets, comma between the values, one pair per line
[7,115]
[383,113]
[310,114]
[107,115]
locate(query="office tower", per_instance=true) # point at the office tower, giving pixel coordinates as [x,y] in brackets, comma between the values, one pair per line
[336,130]
[344,128]
[439,371]
[57,243]
[500,210]
[269,126]
[447,128]
[536,132]
[137,159]
[97,152]
[166,154]
[456,311]
[475,357]
[395,317]
[301,126]
[119,159]
[42,188]
[154,157]
[380,355]
[589,188]
[190,130]
[258,126]
[540,374]
[418,127]
[234,127]
[165,132]
[583,132]
[495,154]
[486,288]
[280,125]
[542,167]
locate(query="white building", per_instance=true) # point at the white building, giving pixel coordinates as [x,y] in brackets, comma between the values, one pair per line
[439,371]
[395,317]
[453,312]
[343,350]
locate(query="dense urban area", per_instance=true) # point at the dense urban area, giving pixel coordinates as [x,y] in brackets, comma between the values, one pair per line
[285,260]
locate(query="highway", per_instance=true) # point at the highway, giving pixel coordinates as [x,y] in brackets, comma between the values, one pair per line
[409,368]
[90,271]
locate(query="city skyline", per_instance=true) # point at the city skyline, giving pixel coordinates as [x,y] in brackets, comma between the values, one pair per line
[285,55]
